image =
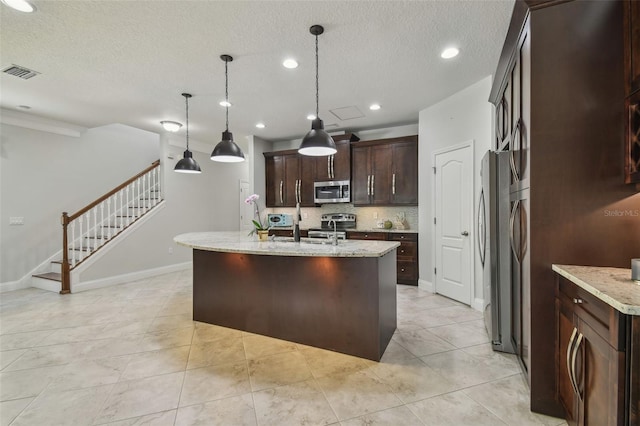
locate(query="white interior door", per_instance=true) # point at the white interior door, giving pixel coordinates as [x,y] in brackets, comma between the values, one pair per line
[246,210]
[453,223]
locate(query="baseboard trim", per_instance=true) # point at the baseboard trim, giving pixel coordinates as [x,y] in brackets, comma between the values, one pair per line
[124,278]
[426,285]
[13,285]
[478,304]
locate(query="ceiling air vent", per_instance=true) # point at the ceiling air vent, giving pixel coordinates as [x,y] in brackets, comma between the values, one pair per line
[18,71]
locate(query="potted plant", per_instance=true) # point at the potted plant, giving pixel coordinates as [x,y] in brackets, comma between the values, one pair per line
[258,228]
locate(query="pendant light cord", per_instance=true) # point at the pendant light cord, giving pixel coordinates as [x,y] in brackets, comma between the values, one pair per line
[317,84]
[226,92]
[186,100]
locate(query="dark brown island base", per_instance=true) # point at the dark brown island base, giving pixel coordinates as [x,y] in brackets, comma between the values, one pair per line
[341,298]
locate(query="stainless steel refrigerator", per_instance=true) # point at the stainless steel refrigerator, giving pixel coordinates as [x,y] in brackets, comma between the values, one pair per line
[494,248]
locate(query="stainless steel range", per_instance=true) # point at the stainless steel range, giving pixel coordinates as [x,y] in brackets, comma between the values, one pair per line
[343,221]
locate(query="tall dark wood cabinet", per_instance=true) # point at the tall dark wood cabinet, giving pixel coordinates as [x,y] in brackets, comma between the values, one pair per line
[632,90]
[557,93]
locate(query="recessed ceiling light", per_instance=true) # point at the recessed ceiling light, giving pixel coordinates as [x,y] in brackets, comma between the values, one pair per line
[225,103]
[374,107]
[311,117]
[260,126]
[290,63]
[449,53]
[171,126]
[20,5]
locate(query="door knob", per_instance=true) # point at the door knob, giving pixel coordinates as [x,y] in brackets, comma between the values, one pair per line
[465,233]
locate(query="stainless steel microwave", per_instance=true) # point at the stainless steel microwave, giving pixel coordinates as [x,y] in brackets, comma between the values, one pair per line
[338,191]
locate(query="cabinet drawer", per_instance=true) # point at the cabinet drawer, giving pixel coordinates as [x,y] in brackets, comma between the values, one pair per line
[357,235]
[604,319]
[407,251]
[406,270]
[403,236]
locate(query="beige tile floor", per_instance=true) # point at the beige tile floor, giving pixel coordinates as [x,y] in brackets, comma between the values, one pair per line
[131,355]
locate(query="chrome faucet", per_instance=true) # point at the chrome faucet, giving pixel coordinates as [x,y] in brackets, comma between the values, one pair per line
[335,231]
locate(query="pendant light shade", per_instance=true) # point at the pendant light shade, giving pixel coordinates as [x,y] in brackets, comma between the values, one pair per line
[226,151]
[317,142]
[187,164]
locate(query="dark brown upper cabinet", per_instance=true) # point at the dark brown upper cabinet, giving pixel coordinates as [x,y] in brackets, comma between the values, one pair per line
[385,172]
[336,166]
[289,179]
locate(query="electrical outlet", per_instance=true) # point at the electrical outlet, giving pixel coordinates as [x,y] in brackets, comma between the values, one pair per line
[375,215]
[170,250]
[16,220]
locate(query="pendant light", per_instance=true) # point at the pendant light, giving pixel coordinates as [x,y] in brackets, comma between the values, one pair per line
[317,142]
[187,164]
[226,151]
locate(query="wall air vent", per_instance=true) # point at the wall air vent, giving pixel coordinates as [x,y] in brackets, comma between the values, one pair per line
[19,71]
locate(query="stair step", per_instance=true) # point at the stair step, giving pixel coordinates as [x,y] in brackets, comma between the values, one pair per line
[83,248]
[53,276]
[99,237]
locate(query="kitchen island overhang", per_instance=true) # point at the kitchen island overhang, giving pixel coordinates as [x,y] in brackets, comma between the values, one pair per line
[341,298]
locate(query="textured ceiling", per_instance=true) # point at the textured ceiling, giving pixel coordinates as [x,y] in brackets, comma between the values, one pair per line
[128,62]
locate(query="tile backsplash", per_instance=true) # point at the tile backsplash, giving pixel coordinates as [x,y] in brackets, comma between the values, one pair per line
[365,216]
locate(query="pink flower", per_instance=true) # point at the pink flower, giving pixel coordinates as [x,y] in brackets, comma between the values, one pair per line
[252,198]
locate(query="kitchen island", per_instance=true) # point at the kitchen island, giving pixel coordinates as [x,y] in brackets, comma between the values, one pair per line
[341,298]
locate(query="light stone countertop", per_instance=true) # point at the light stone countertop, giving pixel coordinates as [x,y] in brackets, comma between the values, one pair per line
[613,286]
[239,242]
[393,230]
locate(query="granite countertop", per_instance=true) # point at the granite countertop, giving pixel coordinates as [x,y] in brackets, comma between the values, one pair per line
[407,231]
[239,242]
[611,285]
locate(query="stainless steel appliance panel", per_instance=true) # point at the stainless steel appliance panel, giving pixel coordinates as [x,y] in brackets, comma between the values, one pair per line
[494,248]
[338,191]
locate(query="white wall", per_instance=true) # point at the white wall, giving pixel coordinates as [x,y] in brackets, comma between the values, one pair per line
[44,174]
[194,202]
[465,116]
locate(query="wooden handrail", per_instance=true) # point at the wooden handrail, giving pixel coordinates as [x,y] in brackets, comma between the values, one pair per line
[110,193]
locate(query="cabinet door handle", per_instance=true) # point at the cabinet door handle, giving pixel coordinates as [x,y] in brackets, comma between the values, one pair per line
[570,369]
[333,171]
[515,170]
[512,220]
[329,167]
[573,364]
[393,184]
[372,185]
[368,185]
[578,301]
[281,199]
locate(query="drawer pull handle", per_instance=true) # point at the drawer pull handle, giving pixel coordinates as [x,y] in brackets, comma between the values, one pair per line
[402,269]
[578,301]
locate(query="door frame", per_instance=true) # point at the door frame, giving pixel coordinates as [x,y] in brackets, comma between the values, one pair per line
[473,231]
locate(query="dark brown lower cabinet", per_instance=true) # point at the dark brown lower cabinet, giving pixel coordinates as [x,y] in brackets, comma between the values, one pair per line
[406,254]
[594,372]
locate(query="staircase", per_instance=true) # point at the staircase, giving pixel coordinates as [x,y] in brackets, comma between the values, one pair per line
[96,225]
